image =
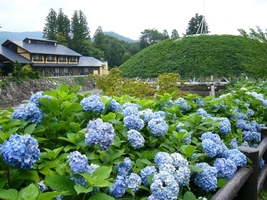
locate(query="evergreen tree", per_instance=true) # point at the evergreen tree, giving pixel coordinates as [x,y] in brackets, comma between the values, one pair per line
[99,39]
[196,24]
[50,29]
[63,26]
[174,33]
[80,31]
[149,37]
[165,34]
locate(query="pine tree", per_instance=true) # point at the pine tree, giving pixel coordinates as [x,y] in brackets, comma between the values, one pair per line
[195,24]
[63,27]
[174,33]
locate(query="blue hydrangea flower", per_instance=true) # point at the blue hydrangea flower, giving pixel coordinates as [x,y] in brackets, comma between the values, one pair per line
[20,151]
[1,127]
[118,188]
[59,197]
[225,167]
[160,114]
[35,98]
[133,122]
[133,181]
[251,136]
[211,148]
[93,103]
[250,112]
[180,126]
[202,112]
[101,133]
[130,110]
[145,172]
[163,158]
[233,143]
[225,125]
[241,124]
[236,156]
[78,162]
[261,163]
[128,104]
[79,180]
[146,115]
[92,168]
[199,102]
[158,127]
[124,168]
[28,112]
[182,102]
[164,186]
[206,179]
[114,106]
[43,187]
[136,139]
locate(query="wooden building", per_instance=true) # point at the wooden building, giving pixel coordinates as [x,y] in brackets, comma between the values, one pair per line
[48,58]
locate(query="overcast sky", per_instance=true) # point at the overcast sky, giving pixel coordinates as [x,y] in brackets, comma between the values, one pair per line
[130,18]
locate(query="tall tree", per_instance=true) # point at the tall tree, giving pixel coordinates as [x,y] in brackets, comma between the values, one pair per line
[50,29]
[149,37]
[99,39]
[63,25]
[80,31]
[197,25]
[174,33]
[165,34]
[255,34]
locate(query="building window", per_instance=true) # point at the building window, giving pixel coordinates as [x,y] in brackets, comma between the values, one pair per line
[50,58]
[62,58]
[57,71]
[72,59]
[37,57]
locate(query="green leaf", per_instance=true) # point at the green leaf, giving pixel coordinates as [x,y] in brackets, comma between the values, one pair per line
[80,189]
[3,181]
[194,168]
[29,193]
[50,104]
[221,182]
[29,175]
[189,196]
[102,172]
[61,183]
[74,107]
[29,129]
[99,196]
[189,150]
[48,195]
[10,194]
[102,183]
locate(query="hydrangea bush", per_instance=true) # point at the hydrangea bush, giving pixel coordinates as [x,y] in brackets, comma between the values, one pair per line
[66,145]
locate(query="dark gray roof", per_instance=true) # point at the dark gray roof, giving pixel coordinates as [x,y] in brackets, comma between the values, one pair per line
[12,56]
[45,49]
[90,61]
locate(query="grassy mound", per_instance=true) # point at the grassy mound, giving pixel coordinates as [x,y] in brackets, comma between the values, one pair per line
[197,56]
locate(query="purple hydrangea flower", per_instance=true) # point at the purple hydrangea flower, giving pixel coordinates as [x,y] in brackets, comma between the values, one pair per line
[136,139]
[78,162]
[20,151]
[236,156]
[133,122]
[158,127]
[101,133]
[35,98]
[93,103]
[124,168]
[206,179]
[133,181]
[28,112]
[145,172]
[118,188]
[225,167]
[164,186]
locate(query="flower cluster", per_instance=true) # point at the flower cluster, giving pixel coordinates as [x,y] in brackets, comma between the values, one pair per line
[225,125]
[212,144]
[35,97]
[225,167]
[136,139]
[146,172]
[182,102]
[99,132]
[28,112]
[158,127]
[93,103]
[130,109]
[147,115]
[133,122]
[114,106]
[78,162]
[259,97]
[236,156]
[207,178]
[133,181]
[20,151]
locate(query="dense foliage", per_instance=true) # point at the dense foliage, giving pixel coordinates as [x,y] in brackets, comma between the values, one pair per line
[65,145]
[199,56]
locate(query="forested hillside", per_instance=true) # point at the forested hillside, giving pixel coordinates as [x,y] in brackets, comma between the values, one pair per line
[199,56]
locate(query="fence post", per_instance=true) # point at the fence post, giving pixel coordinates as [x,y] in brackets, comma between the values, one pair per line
[249,189]
[264,135]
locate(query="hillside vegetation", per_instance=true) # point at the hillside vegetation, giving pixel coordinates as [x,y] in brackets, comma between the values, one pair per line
[198,56]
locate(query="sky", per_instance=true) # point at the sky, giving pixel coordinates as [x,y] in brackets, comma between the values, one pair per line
[130,17]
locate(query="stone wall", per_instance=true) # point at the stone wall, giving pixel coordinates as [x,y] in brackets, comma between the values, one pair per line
[13,93]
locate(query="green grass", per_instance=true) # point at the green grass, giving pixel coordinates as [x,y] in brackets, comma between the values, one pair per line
[263,195]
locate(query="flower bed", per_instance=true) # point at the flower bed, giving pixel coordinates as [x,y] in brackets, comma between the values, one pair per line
[65,145]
